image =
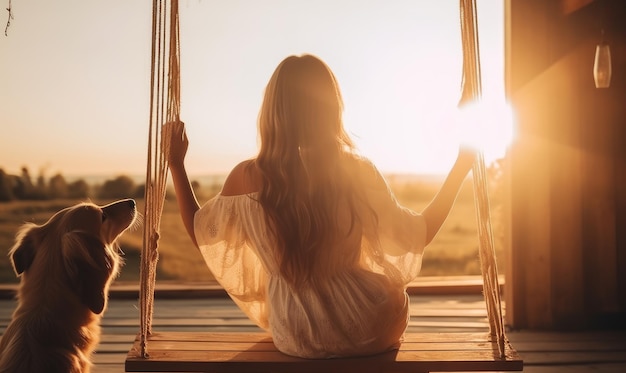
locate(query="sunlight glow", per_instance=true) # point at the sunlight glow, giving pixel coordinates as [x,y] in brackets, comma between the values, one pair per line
[398,64]
[488,126]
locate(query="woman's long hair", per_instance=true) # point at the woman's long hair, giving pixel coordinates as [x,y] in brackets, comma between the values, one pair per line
[303,146]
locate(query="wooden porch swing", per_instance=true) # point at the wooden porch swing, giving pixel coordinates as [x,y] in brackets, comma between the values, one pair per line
[255,352]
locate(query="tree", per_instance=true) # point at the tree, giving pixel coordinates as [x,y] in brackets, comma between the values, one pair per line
[120,187]
[40,189]
[6,187]
[57,187]
[23,187]
[78,189]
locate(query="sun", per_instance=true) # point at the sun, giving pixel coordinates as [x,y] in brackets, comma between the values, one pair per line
[487,125]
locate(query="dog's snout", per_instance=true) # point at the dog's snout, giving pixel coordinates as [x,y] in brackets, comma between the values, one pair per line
[128,202]
[120,215]
[125,203]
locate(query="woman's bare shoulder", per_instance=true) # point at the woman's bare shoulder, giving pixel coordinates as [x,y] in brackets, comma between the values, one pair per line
[243,179]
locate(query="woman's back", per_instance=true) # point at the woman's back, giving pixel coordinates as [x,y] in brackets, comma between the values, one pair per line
[353,302]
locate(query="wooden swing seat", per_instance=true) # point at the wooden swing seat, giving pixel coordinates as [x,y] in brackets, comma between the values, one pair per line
[238,352]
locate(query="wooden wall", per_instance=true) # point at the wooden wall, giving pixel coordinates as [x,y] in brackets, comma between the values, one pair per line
[567,262]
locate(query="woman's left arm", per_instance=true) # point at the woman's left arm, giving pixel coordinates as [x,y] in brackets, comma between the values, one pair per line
[185,196]
[438,209]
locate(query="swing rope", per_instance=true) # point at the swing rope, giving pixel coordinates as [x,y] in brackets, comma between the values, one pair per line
[164,107]
[471,91]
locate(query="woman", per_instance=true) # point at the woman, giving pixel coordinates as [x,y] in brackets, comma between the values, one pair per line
[307,238]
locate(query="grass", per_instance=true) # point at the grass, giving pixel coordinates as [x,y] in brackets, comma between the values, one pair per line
[454,251]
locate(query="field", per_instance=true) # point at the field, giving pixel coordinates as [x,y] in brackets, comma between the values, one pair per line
[454,250]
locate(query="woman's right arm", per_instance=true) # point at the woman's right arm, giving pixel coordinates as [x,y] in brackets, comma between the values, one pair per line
[186,198]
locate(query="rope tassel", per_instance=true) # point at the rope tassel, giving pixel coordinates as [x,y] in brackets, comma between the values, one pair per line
[164,107]
[471,91]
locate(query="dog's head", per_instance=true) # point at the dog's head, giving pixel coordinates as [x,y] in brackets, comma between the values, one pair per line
[75,249]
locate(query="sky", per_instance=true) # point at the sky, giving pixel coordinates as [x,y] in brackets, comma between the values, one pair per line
[75,91]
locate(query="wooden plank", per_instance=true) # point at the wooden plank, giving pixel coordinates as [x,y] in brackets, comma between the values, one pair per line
[108,368]
[571,346]
[207,322]
[579,368]
[531,239]
[528,55]
[268,346]
[571,149]
[533,336]
[255,352]
[601,284]
[600,225]
[124,290]
[114,347]
[566,248]
[264,337]
[573,358]
[185,361]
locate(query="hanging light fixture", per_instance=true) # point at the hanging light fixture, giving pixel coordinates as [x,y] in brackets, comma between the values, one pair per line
[602,65]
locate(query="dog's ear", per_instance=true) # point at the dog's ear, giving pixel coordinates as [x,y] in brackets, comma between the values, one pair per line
[23,252]
[88,268]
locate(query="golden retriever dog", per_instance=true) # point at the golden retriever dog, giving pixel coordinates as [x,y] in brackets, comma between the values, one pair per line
[66,266]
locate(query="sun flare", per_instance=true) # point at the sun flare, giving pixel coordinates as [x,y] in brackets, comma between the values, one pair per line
[488,126]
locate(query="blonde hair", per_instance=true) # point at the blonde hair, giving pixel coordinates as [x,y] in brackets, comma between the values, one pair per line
[303,146]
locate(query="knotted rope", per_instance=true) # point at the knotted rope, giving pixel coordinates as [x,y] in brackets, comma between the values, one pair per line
[471,91]
[164,107]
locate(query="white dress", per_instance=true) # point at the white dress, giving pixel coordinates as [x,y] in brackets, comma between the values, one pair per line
[361,310]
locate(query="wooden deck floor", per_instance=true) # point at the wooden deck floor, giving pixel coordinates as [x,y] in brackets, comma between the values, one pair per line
[205,309]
